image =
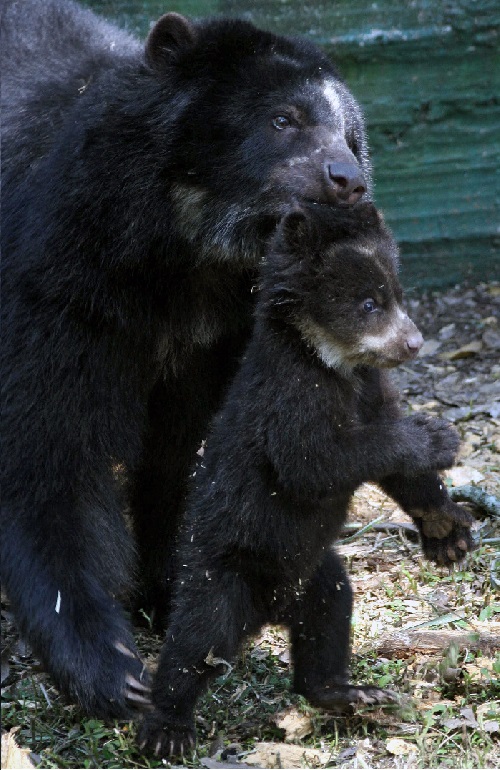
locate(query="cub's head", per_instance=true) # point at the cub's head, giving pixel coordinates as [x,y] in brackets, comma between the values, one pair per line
[333,275]
[260,120]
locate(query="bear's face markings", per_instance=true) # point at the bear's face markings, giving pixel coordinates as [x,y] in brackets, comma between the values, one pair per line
[278,152]
[356,316]
[337,283]
[396,340]
[386,337]
[314,159]
[269,123]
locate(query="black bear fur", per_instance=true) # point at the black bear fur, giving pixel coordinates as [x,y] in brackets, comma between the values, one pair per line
[140,184]
[308,418]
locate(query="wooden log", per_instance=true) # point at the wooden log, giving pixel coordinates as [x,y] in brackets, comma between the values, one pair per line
[406,643]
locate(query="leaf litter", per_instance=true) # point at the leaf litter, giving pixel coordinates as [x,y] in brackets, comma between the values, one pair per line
[430,633]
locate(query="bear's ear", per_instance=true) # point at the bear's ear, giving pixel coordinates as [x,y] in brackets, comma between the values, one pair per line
[171,33]
[295,228]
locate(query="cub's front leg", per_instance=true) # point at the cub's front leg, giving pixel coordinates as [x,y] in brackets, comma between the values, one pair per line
[444,527]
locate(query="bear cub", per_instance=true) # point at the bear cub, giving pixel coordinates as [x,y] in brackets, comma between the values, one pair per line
[309,417]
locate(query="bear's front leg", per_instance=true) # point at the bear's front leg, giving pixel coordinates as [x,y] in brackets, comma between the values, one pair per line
[55,570]
[444,526]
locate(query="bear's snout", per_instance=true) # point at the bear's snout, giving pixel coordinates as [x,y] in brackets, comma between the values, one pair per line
[414,342]
[345,182]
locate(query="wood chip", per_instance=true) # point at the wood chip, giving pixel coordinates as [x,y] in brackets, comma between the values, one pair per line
[466,351]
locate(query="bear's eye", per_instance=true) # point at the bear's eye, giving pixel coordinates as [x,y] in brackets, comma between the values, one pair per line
[369,305]
[281,121]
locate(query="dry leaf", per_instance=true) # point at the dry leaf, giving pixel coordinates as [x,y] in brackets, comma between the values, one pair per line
[464,474]
[429,347]
[428,406]
[467,715]
[271,755]
[12,756]
[488,716]
[296,725]
[447,332]
[491,339]
[466,351]
[399,747]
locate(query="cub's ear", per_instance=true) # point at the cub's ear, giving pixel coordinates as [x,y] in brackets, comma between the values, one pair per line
[295,228]
[171,33]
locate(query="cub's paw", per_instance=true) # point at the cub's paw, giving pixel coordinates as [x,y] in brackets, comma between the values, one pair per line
[445,533]
[349,697]
[165,737]
[445,442]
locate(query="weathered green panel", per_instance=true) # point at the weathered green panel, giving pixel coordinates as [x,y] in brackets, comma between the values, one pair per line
[427,75]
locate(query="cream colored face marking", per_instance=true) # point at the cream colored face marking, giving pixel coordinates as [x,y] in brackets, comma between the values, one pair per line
[327,348]
[189,208]
[377,342]
[332,96]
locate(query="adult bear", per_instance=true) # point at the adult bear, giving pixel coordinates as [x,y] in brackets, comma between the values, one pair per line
[139,186]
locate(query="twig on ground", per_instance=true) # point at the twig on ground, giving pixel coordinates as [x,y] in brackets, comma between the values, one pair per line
[377,526]
[477,496]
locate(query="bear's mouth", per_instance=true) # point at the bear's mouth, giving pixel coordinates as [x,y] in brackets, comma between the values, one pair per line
[326,203]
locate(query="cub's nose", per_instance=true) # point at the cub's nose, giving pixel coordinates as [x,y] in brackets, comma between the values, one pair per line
[346,182]
[414,342]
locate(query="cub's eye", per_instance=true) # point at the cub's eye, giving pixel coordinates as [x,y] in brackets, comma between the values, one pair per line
[369,305]
[280,122]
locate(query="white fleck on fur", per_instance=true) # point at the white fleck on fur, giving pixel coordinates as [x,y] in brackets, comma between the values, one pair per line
[367,251]
[307,158]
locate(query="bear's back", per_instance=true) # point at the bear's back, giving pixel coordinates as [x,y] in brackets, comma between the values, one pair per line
[51,51]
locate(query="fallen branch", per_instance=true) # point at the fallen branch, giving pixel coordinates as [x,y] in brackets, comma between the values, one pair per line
[406,643]
[477,496]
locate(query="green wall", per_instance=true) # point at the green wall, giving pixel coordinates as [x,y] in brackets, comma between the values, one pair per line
[428,76]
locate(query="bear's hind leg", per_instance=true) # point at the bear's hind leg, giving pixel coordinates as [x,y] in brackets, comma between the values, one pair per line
[319,623]
[61,568]
[215,611]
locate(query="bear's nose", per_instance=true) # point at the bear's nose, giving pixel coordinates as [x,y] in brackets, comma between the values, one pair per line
[346,182]
[414,342]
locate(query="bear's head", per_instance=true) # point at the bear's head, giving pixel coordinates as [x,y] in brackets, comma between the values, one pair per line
[260,120]
[333,275]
